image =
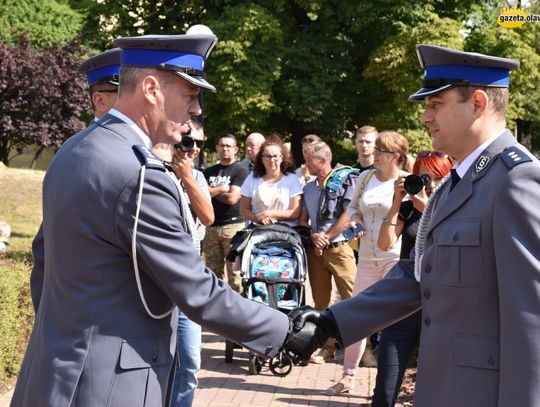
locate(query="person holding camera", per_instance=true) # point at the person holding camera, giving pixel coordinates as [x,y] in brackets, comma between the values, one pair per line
[370,202]
[476,269]
[198,212]
[397,342]
[113,260]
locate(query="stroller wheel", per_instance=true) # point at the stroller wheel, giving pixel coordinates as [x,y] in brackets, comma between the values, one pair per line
[229,350]
[281,364]
[254,364]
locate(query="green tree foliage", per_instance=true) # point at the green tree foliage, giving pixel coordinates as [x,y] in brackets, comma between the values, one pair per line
[307,65]
[45,22]
[109,19]
[246,66]
[522,44]
[393,74]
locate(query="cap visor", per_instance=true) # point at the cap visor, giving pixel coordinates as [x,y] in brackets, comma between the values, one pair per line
[197,81]
[422,93]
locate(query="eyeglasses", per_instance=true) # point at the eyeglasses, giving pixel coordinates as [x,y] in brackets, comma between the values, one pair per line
[382,150]
[269,157]
[427,154]
[199,143]
[226,146]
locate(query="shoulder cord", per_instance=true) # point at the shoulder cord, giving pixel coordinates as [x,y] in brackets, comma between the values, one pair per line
[420,242]
[193,230]
[134,251]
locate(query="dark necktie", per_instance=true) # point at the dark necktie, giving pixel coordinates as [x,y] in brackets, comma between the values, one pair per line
[455,178]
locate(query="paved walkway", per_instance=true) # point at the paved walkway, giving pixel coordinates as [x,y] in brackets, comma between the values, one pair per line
[230,385]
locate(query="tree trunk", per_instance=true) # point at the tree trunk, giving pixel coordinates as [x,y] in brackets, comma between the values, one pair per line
[298,132]
[4,151]
[37,154]
[524,132]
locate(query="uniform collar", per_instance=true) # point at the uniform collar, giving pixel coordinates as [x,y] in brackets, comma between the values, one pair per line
[464,166]
[144,137]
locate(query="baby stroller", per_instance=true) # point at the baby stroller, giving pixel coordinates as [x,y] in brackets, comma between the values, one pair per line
[273,268]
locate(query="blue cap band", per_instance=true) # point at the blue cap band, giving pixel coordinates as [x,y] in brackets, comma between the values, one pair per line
[154,58]
[472,74]
[99,74]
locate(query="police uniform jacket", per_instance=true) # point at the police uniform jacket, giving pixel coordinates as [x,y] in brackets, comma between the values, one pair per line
[479,290]
[93,343]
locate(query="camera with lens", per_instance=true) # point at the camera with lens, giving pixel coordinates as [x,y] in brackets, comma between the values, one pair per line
[186,144]
[414,183]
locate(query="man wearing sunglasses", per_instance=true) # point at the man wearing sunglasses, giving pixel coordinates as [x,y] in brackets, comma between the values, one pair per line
[102,74]
[476,267]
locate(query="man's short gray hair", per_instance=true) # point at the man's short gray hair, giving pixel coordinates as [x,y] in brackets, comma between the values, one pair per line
[130,76]
[319,149]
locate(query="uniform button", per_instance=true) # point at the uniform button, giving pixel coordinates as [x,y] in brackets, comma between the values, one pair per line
[154,357]
[455,238]
[427,321]
[428,268]
[427,294]
[491,360]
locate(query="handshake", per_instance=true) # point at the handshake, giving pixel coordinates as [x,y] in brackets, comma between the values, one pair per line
[309,329]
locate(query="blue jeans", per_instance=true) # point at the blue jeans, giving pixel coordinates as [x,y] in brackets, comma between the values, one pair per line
[189,353]
[396,345]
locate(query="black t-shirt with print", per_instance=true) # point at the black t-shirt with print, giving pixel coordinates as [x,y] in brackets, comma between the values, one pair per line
[219,174]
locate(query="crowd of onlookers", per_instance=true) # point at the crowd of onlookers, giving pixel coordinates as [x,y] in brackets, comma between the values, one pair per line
[266,187]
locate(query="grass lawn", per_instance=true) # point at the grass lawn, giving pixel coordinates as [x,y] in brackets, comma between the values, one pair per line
[20,206]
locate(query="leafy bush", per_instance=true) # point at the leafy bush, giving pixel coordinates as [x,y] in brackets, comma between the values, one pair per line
[20,203]
[16,317]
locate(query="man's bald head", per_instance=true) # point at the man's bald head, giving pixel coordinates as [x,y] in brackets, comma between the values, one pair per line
[253,145]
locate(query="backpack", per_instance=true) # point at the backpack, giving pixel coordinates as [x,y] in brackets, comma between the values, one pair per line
[340,178]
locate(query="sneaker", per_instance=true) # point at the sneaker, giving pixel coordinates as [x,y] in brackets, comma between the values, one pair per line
[323,356]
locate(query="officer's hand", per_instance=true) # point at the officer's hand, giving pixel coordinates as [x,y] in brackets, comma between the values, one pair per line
[324,319]
[309,331]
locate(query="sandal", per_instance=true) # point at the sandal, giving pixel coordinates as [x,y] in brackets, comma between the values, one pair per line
[344,385]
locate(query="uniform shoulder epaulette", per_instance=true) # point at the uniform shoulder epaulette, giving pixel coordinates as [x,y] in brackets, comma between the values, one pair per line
[514,156]
[147,158]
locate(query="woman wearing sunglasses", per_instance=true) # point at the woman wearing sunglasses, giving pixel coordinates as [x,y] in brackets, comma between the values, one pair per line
[271,193]
[398,341]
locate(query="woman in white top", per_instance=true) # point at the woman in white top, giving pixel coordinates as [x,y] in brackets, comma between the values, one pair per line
[369,206]
[271,193]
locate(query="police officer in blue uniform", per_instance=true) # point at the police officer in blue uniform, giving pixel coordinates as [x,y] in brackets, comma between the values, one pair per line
[476,273]
[103,75]
[113,256]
